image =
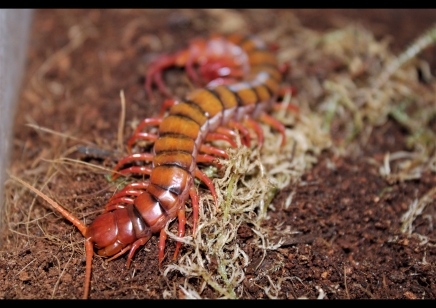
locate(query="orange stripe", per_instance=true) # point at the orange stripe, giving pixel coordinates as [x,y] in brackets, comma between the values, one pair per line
[246,94]
[227,97]
[192,111]
[171,143]
[206,101]
[179,125]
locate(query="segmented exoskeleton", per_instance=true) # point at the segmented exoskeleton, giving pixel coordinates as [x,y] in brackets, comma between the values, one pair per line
[242,78]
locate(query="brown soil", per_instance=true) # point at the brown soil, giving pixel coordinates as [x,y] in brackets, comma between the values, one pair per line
[349,244]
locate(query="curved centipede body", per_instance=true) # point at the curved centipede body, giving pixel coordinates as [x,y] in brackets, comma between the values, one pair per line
[243,80]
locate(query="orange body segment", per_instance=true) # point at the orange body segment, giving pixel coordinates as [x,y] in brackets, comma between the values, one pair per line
[189,110]
[246,94]
[208,102]
[227,97]
[179,125]
[174,143]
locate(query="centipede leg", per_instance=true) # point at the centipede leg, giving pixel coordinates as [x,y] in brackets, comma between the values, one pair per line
[195,207]
[114,204]
[212,150]
[205,179]
[216,136]
[137,169]
[208,159]
[123,251]
[132,158]
[138,243]
[142,136]
[132,189]
[244,132]
[257,128]
[267,119]
[89,250]
[162,239]
[113,207]
[157,66]
[147,122]
[181,230]
[135,246]
[226,131]
[168,103]
[220,72]
[160,84]
[191,72]
[289,107]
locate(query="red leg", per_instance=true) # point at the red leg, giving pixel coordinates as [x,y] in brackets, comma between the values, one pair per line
[216,136]
[181,230]
[89,250]
[123,251]
[267,119]
[168,103]
[223,68]
[244,132]
[142,136]
[189,66]
[138,243]
[258,129]
[212,150]
[113,207]
[138,134]
[132,158]
[195,207]
[285,90]
[160,84]
[162,239]
[208,159]
[204,178]
[290,107]
[133,189]
[137,169]
[158,65]
[147,122]
[226,131]
[113,204]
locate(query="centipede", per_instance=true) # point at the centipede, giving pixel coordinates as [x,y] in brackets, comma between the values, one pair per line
[237,82]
